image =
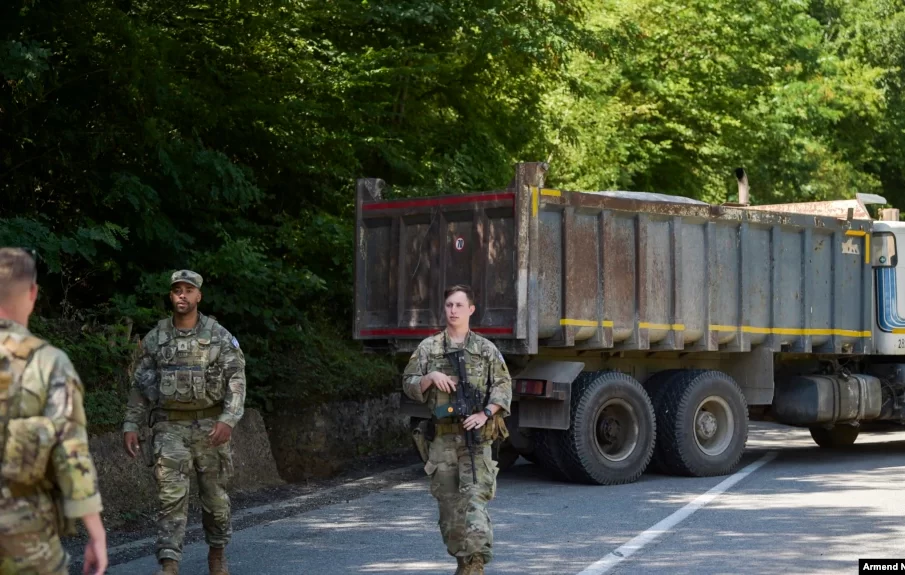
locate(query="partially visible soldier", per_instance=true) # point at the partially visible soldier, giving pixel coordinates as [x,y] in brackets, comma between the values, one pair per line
[47,476]
[192,379]
[430,377]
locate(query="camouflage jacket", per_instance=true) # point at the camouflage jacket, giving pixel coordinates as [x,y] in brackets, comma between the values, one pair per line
[49,387]
[483,361]
[188,370]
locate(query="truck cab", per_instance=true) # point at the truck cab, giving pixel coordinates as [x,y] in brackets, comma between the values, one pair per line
[889,287]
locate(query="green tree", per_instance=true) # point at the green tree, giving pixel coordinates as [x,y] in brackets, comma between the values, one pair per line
[699,88]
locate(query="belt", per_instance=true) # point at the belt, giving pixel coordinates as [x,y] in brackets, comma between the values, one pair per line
[449,428]
[180,415]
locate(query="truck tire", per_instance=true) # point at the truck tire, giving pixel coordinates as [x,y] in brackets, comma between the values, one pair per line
[613,429]
[655,386]
[547,453]
[702,424]
[837,437]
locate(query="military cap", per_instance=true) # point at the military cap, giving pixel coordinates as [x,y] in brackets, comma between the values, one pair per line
[186,276]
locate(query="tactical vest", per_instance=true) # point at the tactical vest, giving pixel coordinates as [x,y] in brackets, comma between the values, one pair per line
[188,364]
[25,442]
[474,365]
[477,369]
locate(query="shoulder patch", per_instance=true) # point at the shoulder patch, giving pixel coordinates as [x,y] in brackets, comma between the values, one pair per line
[235,342]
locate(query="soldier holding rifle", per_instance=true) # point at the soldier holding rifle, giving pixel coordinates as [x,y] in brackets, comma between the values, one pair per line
[464,381]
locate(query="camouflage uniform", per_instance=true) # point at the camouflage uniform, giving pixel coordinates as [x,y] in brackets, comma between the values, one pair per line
[47,477]
[464,521]
[190,380]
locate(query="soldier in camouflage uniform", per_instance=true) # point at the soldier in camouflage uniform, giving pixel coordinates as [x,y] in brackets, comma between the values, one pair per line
[47,476]
[429,377]
[192,379]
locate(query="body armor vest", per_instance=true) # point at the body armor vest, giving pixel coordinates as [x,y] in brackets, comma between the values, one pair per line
[438,361]
[188,365]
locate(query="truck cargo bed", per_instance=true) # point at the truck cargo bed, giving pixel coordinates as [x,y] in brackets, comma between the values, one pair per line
[560,269]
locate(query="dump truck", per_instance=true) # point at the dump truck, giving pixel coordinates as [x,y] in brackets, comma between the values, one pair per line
[641,329]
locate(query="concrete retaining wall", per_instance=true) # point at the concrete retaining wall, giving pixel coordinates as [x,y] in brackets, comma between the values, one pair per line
[318,441]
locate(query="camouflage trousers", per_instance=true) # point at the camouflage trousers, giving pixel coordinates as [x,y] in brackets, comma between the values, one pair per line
[180,448]
[29,541]
[464,521]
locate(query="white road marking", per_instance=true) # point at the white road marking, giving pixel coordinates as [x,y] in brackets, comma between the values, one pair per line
[628,549]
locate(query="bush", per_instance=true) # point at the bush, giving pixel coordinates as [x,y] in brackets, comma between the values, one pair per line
[102,356]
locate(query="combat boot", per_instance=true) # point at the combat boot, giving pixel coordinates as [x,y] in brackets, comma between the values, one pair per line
[460,570]
[168,567]
[216,561]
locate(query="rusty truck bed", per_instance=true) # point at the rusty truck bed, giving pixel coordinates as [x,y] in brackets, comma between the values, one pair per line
[560,269]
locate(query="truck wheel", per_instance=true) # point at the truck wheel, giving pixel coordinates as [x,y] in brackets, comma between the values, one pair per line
[654,386]
[835,437]
[611,439]
[702,424]
[547,453]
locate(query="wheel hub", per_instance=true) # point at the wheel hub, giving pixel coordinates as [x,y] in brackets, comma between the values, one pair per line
[616,431]
[609,430]
[714,424]
[706,425]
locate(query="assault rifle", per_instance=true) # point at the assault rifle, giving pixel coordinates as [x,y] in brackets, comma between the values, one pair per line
[467,401]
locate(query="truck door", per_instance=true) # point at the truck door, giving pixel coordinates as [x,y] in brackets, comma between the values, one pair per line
[889,293]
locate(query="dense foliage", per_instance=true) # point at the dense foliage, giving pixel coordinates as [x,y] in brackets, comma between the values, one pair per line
[226,135]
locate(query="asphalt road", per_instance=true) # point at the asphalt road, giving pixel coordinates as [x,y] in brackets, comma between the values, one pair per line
[791,508]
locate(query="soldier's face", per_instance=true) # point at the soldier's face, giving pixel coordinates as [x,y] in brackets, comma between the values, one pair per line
[185,298]
[458,309]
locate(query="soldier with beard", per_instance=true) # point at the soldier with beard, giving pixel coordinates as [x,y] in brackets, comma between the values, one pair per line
[192,380]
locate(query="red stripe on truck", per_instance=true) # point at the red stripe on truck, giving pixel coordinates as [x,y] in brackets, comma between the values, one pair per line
[447,201]
[415,331]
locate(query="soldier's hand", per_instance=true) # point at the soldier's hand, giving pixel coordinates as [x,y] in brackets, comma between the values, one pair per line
[96,549]
[442,382]
[130,440]
[220,434]
[95,558]
[475,421]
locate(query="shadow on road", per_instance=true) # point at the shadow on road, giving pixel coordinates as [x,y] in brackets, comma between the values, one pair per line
[811,510]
